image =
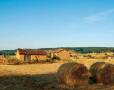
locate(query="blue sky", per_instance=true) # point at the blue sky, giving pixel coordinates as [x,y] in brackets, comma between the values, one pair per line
[56,23]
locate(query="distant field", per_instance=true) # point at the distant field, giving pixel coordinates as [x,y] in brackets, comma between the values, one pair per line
[39,77]
[89,62]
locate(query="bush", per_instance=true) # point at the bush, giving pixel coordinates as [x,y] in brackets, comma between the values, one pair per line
[34,61]
[12,61]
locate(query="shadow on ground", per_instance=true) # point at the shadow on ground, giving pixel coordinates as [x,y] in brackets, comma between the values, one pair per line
[28,82]
[41,82]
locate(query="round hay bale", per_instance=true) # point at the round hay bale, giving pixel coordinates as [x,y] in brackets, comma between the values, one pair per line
[102,73]
[73,74]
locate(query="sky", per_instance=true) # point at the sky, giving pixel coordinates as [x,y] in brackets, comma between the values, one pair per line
[56,23]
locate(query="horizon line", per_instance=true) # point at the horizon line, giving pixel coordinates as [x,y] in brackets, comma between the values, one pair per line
[65,47]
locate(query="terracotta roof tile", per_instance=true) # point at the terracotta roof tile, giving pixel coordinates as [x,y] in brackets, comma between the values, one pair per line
[32,52]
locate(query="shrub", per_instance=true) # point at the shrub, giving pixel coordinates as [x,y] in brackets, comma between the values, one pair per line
[12,61]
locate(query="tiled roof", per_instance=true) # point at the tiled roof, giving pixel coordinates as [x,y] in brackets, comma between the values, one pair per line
[32,52]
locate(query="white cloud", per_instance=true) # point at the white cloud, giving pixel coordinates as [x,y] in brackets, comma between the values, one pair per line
[98,16]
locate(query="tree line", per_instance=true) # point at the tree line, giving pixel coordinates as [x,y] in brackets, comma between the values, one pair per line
[92,49]
[7,52]
[76,49]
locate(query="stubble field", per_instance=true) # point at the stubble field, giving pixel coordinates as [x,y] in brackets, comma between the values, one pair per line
[40,77]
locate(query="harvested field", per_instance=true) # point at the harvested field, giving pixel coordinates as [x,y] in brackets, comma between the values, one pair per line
[37,77]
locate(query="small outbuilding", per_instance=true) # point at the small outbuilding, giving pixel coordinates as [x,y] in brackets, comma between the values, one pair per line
[61,53]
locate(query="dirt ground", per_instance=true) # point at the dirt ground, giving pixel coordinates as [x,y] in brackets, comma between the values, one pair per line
[37,77]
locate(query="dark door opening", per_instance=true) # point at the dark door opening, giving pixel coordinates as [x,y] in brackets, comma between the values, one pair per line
[27,58]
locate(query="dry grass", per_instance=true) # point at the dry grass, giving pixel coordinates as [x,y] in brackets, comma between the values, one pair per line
[39,77]
[29,69]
